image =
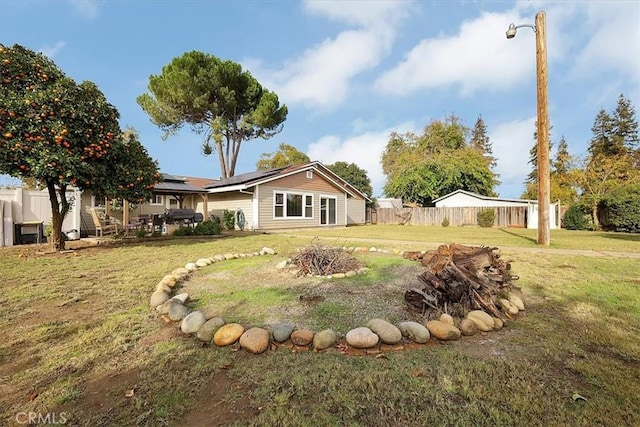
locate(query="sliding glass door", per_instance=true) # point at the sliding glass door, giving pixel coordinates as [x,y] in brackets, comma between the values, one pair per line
[328,207]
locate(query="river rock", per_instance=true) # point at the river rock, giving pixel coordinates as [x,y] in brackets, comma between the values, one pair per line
[219,257]
[362,338]
[180,273]
[229,256]
[350,273]
[446,318]
[497,323]
[282,264]
[504,304]
[483,321]
[191,266]
[192,322]
[157,298]
[267,251]
[324,339]
[183,297]
[515,300]
[339,275]
[415,332]
[177,311]
[281,331]
[468,327]
[443,331]
[513,310]
[302,337]
[388,333]
[202,262]
[206,331]
[228,334]
[169,280]
[255,340]
[161,287]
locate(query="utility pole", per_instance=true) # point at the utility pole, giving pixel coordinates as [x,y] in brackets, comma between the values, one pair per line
[544,187]
[544,229]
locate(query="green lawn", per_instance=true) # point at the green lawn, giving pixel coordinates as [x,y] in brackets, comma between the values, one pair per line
[503,237]
[79,337]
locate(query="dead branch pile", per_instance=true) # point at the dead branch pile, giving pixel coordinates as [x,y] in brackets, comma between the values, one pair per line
[459,279]
[323,261]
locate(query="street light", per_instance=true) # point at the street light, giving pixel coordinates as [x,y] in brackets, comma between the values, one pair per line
[544,234]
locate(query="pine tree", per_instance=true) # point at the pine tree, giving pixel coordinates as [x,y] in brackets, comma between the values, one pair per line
[532,178]
[625,128]
[480,141]
[602,141]
[562,161]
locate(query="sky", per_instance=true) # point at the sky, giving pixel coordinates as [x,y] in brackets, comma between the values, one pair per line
[352,72]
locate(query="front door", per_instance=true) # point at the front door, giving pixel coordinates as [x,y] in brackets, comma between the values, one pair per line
[328,212]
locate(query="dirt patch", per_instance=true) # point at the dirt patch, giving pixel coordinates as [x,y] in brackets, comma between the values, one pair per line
[222,401]
[104,395]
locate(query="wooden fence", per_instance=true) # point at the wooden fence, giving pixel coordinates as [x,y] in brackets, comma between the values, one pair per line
[506,216]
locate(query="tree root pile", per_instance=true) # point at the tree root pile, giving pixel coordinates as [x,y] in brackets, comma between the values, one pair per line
[459,279]
[323,261]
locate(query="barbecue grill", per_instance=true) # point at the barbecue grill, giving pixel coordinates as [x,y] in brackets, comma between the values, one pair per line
[177,216]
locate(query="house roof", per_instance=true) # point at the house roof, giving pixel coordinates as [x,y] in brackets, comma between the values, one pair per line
[481,197]
[176,185]
[199,182]
[251,179]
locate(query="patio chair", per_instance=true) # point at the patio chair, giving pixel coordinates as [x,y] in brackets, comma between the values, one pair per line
[103,225]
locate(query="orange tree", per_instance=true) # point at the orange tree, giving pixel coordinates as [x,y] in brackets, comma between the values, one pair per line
[65,134]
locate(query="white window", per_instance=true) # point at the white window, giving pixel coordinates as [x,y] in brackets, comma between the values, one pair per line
[310,174]
[292,205]
[156,200]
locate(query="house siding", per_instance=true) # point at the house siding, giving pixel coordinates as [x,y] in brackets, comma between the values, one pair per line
[298,183]
[356,210]
[231,201]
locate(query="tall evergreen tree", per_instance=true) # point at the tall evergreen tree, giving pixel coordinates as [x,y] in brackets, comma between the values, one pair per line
[613,156]
[532,178]
[480,141]
[562,161]
[625,128]
[602,142]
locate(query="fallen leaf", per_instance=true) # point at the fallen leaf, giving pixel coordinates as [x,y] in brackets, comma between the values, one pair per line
[416,373]
[381,356]
[128,393]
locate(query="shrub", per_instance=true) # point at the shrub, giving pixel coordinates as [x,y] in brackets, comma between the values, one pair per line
[141,233]
[578,217]
[620,209]
[486,217]
[208,228]
[229,219]
[445,222]
[183,231]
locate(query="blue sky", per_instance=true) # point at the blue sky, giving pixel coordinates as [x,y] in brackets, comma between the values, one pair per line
[351,72]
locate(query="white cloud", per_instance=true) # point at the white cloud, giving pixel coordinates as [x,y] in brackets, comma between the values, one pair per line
[87,8]
[364,149]
[322,75]
[614,43]
[52,50]
[511,143]
[478,57]
[379,16]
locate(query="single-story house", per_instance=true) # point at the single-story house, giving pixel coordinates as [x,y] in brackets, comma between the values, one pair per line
[171,193]
[307,195]
[462,198]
